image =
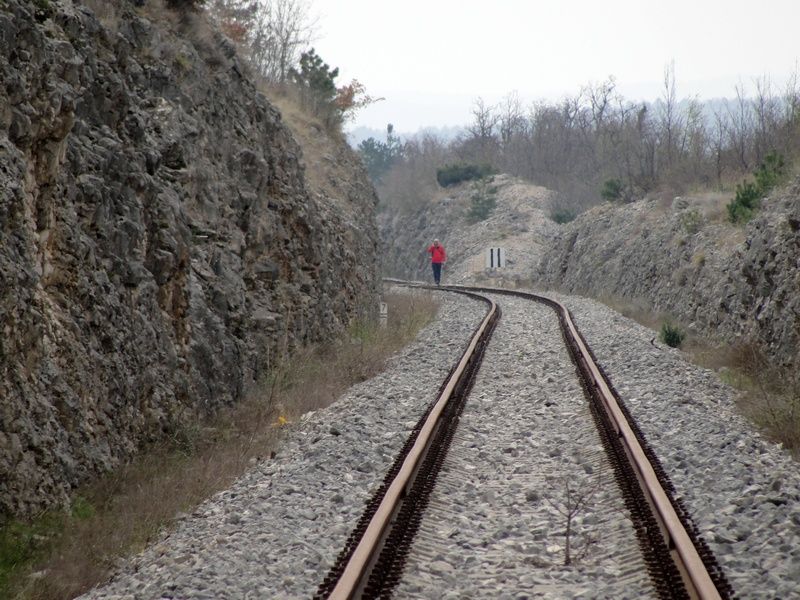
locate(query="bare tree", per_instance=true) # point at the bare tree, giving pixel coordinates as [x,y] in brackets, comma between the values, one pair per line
[600,96]
[481,144]
[740,126]
[511,120]
[484,121]
[576,500]
[284,28]
[790,118]
[670,121]
[765,107]
[718,145]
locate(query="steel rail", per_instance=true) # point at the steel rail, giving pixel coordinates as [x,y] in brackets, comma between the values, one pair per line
[356,569]
[696,577]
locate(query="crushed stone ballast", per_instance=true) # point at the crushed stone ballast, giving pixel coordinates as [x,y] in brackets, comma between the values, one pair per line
[679,561]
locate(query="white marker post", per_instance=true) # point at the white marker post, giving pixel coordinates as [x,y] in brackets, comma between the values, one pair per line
[384,320]
[495,258]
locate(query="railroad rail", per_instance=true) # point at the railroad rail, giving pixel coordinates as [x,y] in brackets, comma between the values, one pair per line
[679,562]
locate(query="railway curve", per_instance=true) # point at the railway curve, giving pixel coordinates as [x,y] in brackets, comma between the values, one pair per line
[677,558]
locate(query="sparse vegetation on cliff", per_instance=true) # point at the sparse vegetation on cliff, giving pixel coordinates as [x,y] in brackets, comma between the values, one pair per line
[275,37]
[209,293]
[483,199]
[769,173]
[671,335]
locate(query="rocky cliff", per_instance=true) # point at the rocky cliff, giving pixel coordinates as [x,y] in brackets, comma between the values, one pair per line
[684,259]
[159,242]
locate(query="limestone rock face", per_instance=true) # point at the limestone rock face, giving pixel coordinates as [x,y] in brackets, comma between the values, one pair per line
[680,257]
[726,282]
[159,242]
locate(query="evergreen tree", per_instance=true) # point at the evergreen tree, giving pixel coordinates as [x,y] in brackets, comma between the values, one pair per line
[315,77]
[379,156]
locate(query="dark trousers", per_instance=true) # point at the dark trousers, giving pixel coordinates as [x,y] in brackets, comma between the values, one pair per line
[437,272]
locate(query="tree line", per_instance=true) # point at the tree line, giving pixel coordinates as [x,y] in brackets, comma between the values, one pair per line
[598,145]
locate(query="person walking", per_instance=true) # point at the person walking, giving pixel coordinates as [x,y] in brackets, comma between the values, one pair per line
[438,258]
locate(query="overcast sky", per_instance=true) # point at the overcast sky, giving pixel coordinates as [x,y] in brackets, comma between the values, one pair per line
[430,59]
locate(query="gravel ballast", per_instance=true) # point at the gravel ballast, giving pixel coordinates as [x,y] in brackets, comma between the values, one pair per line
[743,491]
[526,455]
[277,531]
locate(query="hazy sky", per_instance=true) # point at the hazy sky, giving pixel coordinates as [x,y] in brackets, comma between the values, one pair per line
[431,58]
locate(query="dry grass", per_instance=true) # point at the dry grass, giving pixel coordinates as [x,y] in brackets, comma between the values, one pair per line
[321,145]
[636,310]
[771,397]
[61,555]
[770,394]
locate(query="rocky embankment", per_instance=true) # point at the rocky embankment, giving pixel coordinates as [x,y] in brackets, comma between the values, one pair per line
[518,223]
[159,241]
[680,258]
[720,280]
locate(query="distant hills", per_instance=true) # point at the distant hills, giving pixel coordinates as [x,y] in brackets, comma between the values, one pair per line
[446,133]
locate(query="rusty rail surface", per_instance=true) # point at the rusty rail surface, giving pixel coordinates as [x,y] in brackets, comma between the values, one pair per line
[680,563]
[698,569]
[360,570]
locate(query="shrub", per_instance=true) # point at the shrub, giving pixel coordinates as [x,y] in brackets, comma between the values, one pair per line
[42,10]
[691,221]
[612,190]
[562,215]
[745,203]
[671,336]
[772,393]
[453,174]
[482,200]
[770,172]
[748,194]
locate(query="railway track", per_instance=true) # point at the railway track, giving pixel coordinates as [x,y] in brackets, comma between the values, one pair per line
[678,562]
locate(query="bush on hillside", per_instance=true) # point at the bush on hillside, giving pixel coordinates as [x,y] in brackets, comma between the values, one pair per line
[452,174]
[42,10]
[691,221]
[770,172]
[748,196]
[482,200]
[613,190]
[562,215]
[745,203]
[671,336]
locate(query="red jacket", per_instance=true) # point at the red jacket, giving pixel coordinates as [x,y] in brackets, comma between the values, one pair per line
[438,255]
